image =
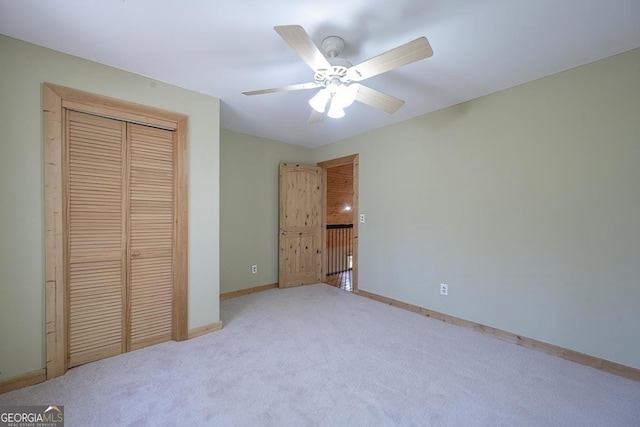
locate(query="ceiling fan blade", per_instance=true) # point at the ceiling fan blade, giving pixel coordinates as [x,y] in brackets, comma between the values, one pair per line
[315,117]
[302,44]
[394,58]
[377,99]
[283,88]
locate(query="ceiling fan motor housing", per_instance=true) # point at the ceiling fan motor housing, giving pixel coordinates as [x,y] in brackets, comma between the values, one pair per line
[335,74]
[332,47]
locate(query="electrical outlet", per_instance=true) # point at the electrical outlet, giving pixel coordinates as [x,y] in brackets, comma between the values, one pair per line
[254,269]
[444,289]
[363,218]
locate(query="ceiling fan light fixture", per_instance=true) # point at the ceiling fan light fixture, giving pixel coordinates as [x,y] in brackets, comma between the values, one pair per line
[320,100]
[345,95]
[334,86]
[335,110]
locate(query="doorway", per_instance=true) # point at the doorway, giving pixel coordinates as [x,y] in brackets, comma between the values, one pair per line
[341,232]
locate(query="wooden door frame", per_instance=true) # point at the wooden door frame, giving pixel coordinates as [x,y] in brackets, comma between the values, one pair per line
[353,159]
[56,100]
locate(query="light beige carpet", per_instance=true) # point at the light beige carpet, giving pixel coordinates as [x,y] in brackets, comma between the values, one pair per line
[317,355]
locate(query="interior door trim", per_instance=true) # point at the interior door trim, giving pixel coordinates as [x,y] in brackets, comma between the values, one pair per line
[56,100]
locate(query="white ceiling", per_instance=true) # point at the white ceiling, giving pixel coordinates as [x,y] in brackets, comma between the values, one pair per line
[222,48]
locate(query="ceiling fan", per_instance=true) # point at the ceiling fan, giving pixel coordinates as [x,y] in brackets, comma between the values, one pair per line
[339,79]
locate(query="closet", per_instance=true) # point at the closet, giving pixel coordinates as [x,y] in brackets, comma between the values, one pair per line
[119,211]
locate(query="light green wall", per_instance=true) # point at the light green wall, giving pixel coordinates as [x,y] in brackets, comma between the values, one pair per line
[526,202]
[249,207]
[24,67]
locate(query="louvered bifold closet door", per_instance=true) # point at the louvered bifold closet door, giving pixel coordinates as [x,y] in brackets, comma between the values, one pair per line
[151,238]
[96,244]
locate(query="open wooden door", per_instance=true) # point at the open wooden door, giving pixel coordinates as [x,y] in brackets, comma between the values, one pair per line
[301,225]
